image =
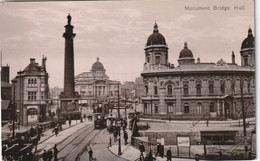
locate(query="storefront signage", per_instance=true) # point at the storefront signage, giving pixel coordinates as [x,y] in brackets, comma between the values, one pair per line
[32,111]
[183,141]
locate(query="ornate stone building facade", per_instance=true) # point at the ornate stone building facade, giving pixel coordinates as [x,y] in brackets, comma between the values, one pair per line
[197,90]
[95,85]
[30,90]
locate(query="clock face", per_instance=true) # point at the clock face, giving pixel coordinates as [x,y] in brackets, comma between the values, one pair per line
[70,106]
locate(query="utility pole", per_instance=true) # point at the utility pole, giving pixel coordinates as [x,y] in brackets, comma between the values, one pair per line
[243,115]
[125,103]
[118,110]
[13,127]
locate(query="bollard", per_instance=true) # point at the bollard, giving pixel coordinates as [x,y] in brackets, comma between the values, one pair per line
[110,142]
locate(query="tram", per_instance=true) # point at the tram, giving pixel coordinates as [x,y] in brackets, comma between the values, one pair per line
[100,111]
[99,121]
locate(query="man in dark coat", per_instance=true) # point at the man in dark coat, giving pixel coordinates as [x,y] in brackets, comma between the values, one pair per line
[55,150]
[125,137]
[90,153]
[115,135]
[158,149]
[142,149]
[44,155]
[56,131]
[169,154]
[32,131]
[150,156]
[69,122]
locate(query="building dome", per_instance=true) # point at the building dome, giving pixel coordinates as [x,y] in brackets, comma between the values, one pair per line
[249,42]
[156,38]
[185,53]
[97,65]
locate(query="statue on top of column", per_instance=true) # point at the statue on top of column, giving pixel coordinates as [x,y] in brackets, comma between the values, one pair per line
[69,19]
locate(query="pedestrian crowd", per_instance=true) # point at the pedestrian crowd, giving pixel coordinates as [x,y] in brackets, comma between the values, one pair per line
[48,155]
[160,152]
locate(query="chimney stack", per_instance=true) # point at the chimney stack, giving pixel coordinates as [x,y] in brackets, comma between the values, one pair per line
[44,61]
[32,60]
[233,58]
[198,60]
[5,73]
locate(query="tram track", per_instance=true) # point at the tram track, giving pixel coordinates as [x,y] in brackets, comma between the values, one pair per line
[73,148]
[72,139]
[86,146]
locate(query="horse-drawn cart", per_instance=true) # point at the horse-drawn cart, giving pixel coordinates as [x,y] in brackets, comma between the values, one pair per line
[18,151]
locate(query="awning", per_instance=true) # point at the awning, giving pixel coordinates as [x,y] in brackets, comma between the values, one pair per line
[5,104]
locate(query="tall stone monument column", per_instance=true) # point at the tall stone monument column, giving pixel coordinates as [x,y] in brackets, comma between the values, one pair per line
[69,87]
[69,98]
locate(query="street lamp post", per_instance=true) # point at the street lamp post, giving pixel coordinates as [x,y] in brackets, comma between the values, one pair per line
[239,114]
[243,114]
[13,127]
[118,110]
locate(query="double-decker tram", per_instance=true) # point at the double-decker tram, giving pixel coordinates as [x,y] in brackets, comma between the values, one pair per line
[100,111]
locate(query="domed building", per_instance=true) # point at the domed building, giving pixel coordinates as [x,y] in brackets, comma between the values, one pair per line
[95,85]
[197,90]
[248,50]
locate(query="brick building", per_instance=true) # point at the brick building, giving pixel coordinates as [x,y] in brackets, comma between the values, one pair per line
[30,91]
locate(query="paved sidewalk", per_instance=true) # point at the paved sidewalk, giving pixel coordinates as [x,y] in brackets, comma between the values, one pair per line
[130,153]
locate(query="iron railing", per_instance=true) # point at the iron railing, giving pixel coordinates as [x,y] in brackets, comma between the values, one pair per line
[196,122]
[147,145]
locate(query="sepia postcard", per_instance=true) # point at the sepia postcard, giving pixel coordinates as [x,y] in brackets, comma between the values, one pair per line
[128,80]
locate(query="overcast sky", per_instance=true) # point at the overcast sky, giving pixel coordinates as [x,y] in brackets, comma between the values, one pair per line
[116,32]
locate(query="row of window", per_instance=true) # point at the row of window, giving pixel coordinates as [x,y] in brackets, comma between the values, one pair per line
[171,108]
[198,89]
[33,95]
[32,82]
[157,59]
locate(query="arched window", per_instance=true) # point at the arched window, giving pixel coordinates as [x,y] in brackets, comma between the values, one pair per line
[198,89]
[156,108]
[185,90]
[199,108]
[222,88]
[169,89]
[157,59]
[148,59]
[171,108]
[145,108]
[246,61]
[248,86]
[211,107]
[146,89]
[186,108]
[211,89]
[155,90]
[233,88]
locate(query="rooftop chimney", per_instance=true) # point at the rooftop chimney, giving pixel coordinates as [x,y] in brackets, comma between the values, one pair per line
[198,60]
[233,58]
[5,73]
[44,61]
[32,60]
